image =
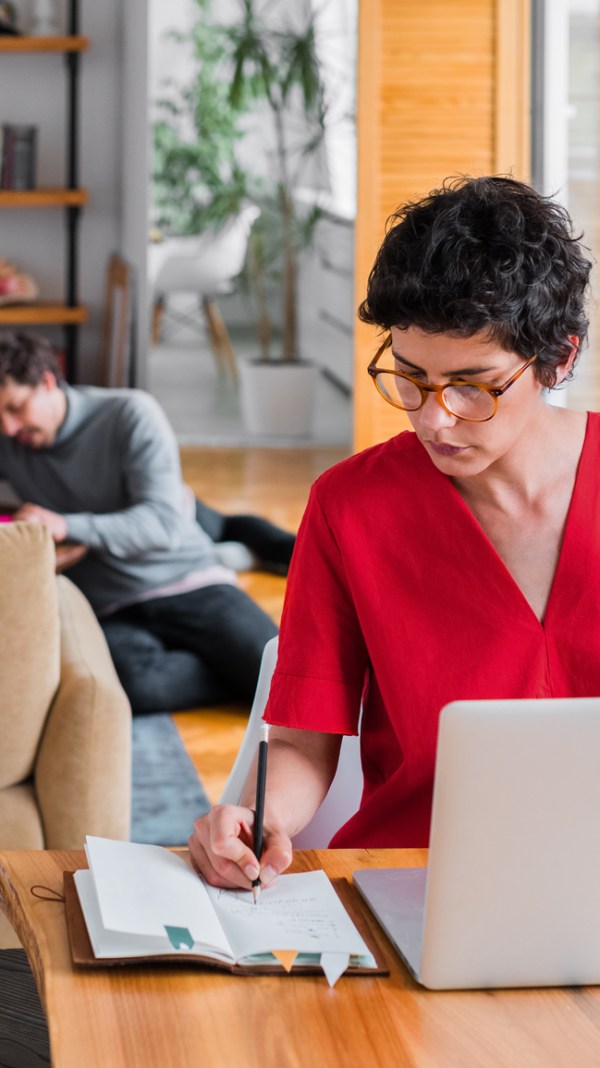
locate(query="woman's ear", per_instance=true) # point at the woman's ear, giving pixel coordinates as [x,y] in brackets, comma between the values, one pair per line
[563,370]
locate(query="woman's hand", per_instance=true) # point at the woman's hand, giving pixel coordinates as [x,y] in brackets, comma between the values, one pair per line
[221,848]
[301,767]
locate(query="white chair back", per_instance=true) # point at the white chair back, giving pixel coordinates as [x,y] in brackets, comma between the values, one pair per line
[342,801]
[204,263]
[239,772]
[343,798]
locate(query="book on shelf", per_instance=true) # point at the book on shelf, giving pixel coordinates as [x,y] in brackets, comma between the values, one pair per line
[18,157]
[8,20]
[142,902]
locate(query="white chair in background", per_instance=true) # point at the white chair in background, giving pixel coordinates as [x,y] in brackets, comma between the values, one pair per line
[344,794]
[205,265]
[239,773]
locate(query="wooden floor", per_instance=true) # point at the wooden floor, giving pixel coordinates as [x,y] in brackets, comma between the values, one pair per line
[269,482]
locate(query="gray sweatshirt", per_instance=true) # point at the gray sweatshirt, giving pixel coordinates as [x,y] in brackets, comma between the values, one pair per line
[114,473]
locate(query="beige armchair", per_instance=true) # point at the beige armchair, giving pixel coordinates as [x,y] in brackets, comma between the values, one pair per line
[65,722]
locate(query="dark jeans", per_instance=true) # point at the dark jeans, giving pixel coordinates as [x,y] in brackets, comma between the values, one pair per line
[196,648]
[270,543]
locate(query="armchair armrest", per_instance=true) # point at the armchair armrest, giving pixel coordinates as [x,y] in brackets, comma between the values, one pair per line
[83,767]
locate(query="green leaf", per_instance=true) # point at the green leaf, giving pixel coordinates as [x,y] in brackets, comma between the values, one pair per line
[243,70]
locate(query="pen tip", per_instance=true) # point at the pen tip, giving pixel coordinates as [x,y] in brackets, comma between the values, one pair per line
[255,894]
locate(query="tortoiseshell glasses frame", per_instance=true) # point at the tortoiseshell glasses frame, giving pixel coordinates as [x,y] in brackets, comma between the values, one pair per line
[450,395]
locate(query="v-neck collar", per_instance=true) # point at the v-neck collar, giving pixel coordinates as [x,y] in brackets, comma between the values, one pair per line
[570,524]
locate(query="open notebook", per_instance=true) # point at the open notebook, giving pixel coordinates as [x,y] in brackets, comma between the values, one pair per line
[142,901]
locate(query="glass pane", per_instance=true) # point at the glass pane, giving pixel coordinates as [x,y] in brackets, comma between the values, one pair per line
[583,174]
[566,147]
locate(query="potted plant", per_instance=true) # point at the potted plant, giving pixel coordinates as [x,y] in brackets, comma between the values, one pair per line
[276,74]
[269,73]
[197,184]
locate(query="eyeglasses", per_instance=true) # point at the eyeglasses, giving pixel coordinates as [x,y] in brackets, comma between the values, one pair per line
[475,402]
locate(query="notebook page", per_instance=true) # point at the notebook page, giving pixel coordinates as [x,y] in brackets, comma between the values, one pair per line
[141,889]
[300,912]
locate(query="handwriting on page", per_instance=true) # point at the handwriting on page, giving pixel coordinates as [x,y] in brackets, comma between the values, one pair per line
[293,914]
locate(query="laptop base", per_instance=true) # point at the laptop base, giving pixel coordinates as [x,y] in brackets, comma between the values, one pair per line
[396,897]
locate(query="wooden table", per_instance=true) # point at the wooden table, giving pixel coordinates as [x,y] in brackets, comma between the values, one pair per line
[174,1017]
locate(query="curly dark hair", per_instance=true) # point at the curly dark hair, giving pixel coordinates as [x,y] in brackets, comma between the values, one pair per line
[25,358]
[484,255]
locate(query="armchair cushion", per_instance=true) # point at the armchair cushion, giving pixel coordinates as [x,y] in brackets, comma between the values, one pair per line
[20,818]
[83,769]
[30,644]
[65,722]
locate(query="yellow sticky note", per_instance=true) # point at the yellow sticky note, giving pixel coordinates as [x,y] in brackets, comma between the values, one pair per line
[286,957]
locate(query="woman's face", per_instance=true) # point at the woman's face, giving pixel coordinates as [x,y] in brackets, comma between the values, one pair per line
[459,448]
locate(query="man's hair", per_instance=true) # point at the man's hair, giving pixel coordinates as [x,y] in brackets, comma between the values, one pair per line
[25,358]
[484,255]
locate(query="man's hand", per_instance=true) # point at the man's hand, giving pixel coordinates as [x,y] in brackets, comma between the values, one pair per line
[32,513]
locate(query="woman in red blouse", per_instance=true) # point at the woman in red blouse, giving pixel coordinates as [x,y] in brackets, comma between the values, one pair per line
[458,561]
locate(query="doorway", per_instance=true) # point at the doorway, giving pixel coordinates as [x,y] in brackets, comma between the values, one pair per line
[201,403]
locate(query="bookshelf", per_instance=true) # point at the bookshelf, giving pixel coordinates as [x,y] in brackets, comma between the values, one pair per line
[42,313]
[67,43]
[42,198]
[71,198]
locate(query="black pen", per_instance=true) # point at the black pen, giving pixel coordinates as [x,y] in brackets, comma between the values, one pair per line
[259,809]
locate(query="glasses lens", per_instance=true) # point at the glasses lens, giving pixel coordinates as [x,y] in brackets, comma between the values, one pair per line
[399,391]
[469,402]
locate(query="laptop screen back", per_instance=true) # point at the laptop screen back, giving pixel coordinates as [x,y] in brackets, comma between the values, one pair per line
[513,888]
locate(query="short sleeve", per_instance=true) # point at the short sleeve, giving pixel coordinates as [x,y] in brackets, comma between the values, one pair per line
[322,661]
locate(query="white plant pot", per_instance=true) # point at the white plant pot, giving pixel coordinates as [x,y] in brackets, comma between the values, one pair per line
[278,399]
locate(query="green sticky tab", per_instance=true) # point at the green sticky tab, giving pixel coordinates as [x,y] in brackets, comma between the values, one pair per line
[179,937]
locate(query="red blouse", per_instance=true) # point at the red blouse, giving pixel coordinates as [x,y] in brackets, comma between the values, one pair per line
[396,595]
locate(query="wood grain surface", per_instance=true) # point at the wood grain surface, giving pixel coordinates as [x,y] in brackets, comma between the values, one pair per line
[443,89]
[42,198]
[41,313]
[66,43]
[175,1017]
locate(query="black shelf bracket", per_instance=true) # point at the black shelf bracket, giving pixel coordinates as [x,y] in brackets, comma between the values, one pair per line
[72,214]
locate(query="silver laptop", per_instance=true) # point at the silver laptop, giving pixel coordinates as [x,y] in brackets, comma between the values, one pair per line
[511,896]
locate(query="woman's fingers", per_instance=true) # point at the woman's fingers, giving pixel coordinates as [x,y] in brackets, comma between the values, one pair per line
[220,849]
[276,857]
[228,876]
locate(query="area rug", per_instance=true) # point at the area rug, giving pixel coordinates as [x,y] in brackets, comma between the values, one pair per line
[167,794]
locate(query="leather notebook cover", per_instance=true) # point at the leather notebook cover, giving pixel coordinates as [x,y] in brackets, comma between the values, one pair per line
[83,954]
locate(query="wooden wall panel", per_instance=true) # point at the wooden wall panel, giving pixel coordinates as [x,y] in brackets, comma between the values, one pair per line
[442,90]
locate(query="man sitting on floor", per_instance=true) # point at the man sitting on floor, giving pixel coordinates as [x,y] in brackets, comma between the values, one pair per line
[101,467]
